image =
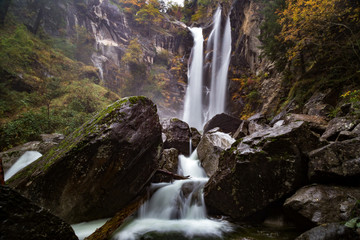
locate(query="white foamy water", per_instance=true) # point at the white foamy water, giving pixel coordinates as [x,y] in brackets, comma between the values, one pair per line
[177,207]
[188,227]
[25,159]
[85,229]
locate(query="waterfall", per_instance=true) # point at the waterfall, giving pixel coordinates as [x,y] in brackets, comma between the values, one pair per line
[193,109]
[219,66]
[177,208]
[219,43]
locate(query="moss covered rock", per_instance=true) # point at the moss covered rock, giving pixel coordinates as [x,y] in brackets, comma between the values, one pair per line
[99,168]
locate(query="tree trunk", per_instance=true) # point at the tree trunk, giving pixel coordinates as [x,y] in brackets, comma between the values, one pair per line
[4,6]
[38,20]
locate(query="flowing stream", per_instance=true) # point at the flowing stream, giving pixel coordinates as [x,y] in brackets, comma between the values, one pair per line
[177,208]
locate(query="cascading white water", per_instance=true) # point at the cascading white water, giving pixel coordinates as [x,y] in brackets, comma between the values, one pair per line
[177,207]
[219,66]
[25,159]
[193,109]
[213,45]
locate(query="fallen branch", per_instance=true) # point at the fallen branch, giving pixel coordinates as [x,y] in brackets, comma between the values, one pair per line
[107,230]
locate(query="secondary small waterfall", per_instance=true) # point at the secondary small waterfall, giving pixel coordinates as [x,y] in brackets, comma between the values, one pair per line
[193,109]
[27,158]
[219,43]
[177,208]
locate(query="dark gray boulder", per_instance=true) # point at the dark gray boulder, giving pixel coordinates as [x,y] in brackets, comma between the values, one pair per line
[336,162]
[22,219]
[169,160]
[99,168]
[195,138]
[316,123]
[168,166]
[321,204]
[224,122]
[262,169]
[318,104]
[332,231]
[177,135]
[337,125]
[242,131]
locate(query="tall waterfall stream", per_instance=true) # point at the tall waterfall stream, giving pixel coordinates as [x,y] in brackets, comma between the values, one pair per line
[219,42]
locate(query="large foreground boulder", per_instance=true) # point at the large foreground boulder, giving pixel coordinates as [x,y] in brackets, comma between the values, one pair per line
[336,162]
[321,204]
[99,168]
[177,135]
[262,169]
[210,148]
[21,219]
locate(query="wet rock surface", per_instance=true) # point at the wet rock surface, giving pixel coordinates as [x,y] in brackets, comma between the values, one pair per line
[177,135]
[243,185]
[94,172]
[210,148]
[22,219]
[169,163]
[336,162]
[321,204]
[195,138]
[332,231]
[337,125]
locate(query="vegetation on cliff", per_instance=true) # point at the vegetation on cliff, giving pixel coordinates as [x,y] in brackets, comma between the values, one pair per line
[316,43]
[42,90]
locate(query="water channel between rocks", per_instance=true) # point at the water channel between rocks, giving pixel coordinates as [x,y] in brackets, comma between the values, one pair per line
[177,211]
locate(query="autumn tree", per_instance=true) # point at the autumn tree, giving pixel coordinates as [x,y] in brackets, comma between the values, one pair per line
[322,32]
[149,15]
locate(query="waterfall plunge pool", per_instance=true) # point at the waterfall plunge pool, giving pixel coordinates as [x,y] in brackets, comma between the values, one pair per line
[177,211]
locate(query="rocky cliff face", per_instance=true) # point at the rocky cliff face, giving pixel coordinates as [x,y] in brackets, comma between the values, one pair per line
[254,85]
[109,31]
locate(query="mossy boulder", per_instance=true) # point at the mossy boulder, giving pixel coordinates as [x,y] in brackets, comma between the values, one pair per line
[22,219]
[260,170]
[99,168]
